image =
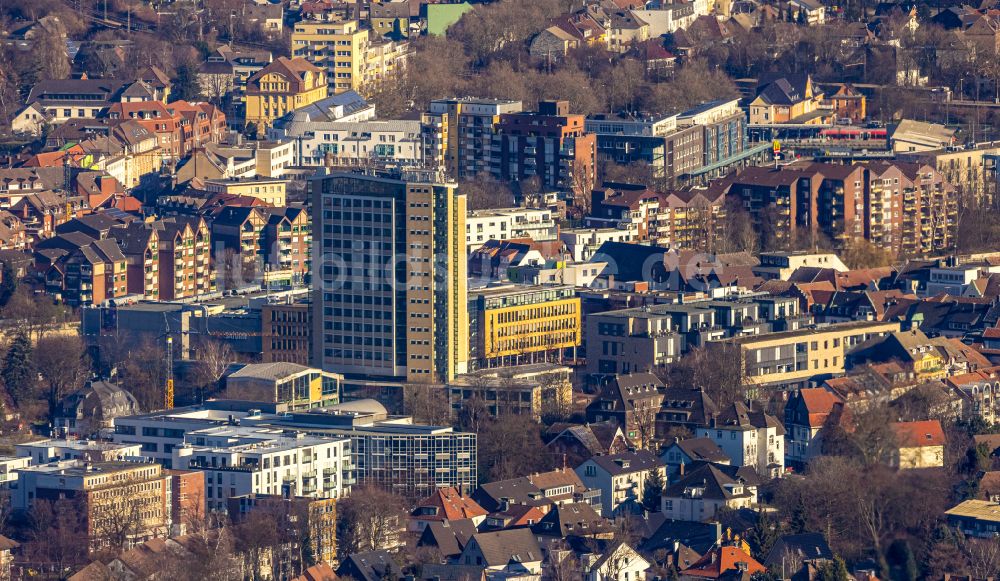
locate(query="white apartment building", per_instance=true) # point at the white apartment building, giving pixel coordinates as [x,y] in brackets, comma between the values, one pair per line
[240,460]
[46,451]
[506,223]
[749,438]
[582,243]
[621,478]
[347,143]
[9,465]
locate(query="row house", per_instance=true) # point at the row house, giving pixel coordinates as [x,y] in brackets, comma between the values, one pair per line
[685,219]
[180,127]
[88,274]
[287,239]
[168,259]
[903,207]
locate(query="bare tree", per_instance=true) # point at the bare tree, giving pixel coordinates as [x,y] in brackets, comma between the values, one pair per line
[428,404]
[63,364]
[984,557]
[369,519]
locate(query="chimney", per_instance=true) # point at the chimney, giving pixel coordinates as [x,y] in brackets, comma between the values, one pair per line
[681,472]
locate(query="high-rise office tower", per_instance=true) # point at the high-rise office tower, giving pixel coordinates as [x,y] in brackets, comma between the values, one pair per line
[390,280]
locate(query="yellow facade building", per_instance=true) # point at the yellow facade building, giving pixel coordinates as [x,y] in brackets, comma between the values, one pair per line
[297,386]
[281,87]
[790,359]
[271,191]
[352,56]
[519,323]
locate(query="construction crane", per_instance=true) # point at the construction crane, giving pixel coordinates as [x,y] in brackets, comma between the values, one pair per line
[168,395]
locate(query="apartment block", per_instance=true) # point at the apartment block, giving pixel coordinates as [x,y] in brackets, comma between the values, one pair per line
[351,55]
[107,493]
[88,274]
[793,359]
[287,240]
[511,324]
[685,219]
[650,337]
[358,143]
[670,151]
[320,516]
[391,451]
[582,243]
[906,208]
[506,223]
[240,460]
[406,319]
[168,259]
[46,451]
[532,390]
[550,144]
[460,132]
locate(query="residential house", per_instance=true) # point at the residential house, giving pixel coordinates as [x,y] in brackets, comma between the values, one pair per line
[577,443]
[681,453]
[632,400]
[807,412]
[621,478]
[918,444]
[281,87]
[445,504]
[509,551]
[748,437]
[700,494]
[722,562]
[618,562]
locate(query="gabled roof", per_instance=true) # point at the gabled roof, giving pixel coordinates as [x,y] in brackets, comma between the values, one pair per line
[721,560]
[807,546]
[500,548]
[701,449]
[449,537]
[449,505]
[572,519]
[819,404]
[918,434]
[713,483]
[627,462]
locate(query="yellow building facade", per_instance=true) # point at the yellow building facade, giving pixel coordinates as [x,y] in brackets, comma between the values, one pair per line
[437,333]
[524,322]
[353,57]
[791,358]
[281,87]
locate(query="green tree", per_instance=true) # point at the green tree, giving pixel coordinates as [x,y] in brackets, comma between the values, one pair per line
[185,86]
[8,283]
[652,491]
[18,371]
[763,535]
[835,570]
[902,561]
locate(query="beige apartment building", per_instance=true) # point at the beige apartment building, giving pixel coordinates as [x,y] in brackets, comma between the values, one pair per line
[790,359]
[353,56]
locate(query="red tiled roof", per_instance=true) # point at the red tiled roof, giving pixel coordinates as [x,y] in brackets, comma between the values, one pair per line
[819,403]
[918,434]
[451,506]
[721,560]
